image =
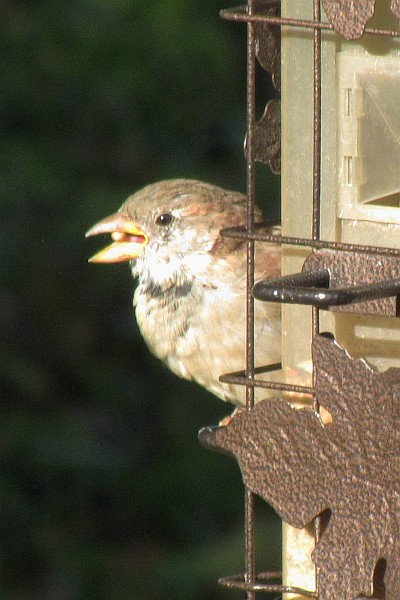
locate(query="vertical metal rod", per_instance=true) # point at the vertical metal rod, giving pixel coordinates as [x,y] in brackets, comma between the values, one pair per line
[249,499]
[317,127]
[250,573]
[316,217]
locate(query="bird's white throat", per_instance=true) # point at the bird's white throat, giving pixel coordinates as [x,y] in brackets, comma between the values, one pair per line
[170,270]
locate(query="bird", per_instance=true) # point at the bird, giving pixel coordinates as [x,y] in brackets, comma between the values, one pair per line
[190,296]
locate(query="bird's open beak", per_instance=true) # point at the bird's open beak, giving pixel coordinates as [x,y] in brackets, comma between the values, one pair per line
[129,239]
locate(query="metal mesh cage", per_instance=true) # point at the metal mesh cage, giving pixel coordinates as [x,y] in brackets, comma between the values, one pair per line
[321,285]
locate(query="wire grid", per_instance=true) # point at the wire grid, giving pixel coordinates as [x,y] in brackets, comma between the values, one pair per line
[249,581]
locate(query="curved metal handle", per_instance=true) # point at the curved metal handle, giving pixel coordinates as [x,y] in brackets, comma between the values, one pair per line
[312,288]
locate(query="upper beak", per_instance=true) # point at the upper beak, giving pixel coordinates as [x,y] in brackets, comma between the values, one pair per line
[129,239]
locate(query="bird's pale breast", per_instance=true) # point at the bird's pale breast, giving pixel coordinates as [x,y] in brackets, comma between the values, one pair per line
[198,331]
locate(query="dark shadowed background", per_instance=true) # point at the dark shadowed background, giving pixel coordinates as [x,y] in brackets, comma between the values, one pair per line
[104,490]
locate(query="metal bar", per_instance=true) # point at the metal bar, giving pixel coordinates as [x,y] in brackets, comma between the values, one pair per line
[239,14]
[316,168]
[238,378]
[316,206]
[249,520]
[251,118]
[250,571]
[237,582]
[312,288]
[238,232]
[316,216]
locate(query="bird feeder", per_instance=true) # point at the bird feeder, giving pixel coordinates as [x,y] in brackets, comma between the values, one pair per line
[330,469]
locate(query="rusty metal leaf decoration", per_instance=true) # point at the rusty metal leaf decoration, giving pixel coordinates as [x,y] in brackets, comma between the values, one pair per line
[349,18]
[268,42]
[350,466]
[267,137]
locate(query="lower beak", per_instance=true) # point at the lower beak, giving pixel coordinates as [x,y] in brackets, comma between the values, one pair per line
[129,239]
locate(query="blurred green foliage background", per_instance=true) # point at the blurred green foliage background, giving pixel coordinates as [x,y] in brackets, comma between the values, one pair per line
[104,490]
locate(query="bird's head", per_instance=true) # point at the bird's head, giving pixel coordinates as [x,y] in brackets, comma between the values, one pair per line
[169,228]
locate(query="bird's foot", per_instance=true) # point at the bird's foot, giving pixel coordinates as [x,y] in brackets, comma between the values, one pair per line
[226,420]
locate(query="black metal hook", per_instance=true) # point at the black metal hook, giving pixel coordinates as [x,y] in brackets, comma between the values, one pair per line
[312,288]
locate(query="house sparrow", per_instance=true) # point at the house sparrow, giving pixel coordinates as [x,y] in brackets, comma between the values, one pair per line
[191,292]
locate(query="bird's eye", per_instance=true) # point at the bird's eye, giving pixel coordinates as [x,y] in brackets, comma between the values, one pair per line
[164,219]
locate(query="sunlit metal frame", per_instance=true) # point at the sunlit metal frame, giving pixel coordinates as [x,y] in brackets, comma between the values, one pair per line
[251,14]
